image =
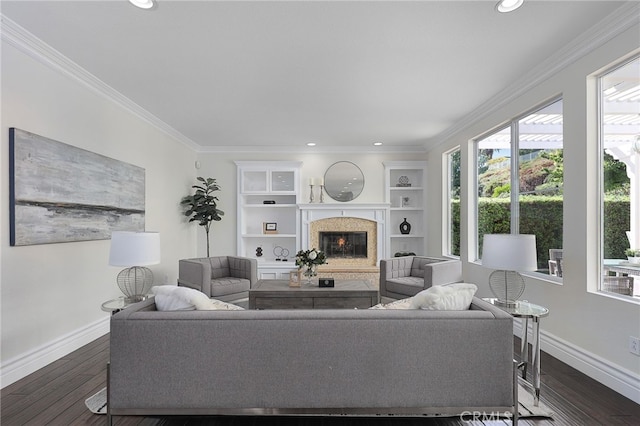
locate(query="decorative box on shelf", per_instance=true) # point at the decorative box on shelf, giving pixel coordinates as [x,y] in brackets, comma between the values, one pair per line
[269,228]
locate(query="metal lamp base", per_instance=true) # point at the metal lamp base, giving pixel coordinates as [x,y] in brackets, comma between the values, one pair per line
[135,283]
[506,303]
[507,287]
[136,298]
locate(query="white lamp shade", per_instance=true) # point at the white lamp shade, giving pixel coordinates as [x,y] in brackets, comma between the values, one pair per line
[510,252]
[134,248]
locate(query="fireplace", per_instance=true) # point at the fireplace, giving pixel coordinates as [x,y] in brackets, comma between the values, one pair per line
[362,228]
[344,244]
[347,241]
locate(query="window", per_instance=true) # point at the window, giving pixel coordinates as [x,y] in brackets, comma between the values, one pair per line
[522,194]
[619,117]
[452,238]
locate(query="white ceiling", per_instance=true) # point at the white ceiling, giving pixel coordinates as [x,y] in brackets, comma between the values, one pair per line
[246,75]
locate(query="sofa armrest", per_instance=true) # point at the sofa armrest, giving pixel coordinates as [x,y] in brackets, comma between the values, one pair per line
[440,273]
[195,273]
[244,267]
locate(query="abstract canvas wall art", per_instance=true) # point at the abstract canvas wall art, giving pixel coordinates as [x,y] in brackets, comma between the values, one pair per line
[61,193]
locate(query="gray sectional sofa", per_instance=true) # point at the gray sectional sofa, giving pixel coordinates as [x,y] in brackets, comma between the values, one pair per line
[311,362]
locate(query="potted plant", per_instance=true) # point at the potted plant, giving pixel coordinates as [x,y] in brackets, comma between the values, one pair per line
[633,255]
[202,205]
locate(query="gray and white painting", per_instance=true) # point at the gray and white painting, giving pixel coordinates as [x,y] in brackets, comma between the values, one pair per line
[60,193]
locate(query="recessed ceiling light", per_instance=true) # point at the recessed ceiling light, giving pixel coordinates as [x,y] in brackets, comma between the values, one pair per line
[505,6]
[311,144]
[142,4]
[377,143]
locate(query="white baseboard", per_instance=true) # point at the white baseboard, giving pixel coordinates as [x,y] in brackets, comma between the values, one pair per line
[621,380]
[25,364]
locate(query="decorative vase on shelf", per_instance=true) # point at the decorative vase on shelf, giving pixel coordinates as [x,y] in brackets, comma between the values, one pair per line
[405,227]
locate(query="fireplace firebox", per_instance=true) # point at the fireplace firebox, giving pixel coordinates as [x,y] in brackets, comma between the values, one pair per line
[343,244]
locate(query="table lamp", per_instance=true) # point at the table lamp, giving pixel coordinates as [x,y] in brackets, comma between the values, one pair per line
[508,253]
[134,250]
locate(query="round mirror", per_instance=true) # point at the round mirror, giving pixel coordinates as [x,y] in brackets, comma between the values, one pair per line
[343,181]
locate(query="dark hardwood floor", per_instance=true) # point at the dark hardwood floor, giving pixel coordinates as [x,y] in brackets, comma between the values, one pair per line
[55,395]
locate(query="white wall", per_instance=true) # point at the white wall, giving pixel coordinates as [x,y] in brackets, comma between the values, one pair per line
[51,294]
[590,331]
[221,166]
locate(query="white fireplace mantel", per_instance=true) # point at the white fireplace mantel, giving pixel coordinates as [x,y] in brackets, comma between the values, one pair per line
[377,212]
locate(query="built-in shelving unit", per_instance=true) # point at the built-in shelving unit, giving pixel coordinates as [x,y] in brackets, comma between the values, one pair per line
[405,186]
[268,193]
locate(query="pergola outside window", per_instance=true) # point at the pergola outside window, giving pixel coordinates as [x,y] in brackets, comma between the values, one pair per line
[619,117]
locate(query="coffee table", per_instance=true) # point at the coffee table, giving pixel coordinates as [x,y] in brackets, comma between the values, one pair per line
[347,294]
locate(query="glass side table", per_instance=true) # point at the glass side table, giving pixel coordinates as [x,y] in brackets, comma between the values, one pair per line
[116,305]
[526,311]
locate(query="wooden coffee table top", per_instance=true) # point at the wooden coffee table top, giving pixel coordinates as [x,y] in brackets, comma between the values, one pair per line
[341,286]
[276,294]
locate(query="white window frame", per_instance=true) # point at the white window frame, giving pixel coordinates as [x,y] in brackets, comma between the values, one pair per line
[513,125]
[601,196]
[447,237]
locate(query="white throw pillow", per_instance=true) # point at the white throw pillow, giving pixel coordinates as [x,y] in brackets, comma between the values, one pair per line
[207,304]
[396,304]
[168,299]
[452,297]
[174,298]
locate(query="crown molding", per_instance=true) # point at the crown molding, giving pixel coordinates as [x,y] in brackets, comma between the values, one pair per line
[608,28]
[414,149]
[23,40]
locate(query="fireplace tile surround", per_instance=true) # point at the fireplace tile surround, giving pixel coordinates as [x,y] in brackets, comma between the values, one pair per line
[370,218]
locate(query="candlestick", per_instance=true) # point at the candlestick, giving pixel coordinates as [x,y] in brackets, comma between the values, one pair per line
[321,193]
[311,194]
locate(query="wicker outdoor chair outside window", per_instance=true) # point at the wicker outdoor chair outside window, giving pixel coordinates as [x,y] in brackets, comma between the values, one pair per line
[620,285]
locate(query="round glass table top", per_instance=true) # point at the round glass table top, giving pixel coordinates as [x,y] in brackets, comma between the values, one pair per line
[115,305]
[522,309]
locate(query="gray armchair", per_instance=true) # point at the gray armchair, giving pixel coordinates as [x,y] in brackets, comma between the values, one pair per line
[403,277]
[225,278]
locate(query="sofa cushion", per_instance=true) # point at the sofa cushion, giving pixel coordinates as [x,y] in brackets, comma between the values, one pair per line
[219,267]
[452,297]
[229,285]
[174,298]
[405,285]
